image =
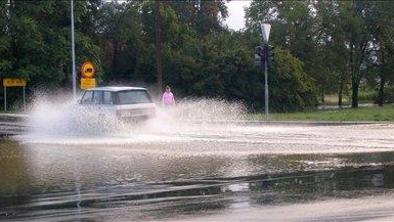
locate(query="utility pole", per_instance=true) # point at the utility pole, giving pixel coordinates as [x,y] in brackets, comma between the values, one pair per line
[158,46]
[74,76]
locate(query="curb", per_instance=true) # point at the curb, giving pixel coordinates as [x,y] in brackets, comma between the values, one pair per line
[300,123]
[321,123]
[11,117]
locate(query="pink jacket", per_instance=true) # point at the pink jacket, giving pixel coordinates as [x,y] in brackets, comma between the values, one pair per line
[168,99]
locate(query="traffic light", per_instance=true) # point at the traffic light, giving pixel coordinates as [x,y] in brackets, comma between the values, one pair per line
[257,60]
[266,54]
[260,51]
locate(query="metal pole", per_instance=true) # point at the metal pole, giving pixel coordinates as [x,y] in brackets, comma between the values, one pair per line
[74,76]
[266,82]
[5,99]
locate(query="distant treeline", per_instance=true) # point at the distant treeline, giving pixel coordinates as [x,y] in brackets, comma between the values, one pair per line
[321,47]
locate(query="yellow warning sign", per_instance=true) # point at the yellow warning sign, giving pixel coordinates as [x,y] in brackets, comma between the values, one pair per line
[87,70]
[14,82]
[87,83]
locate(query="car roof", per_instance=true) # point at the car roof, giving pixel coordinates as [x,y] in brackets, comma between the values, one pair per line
[117,88]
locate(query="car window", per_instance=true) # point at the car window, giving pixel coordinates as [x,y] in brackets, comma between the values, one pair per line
[133,97]
[107,99]
[87,97]
[97,97]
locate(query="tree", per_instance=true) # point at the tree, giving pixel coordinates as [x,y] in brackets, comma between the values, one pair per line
[203,16]
[334,39]
[357,39]
[120,37]
[296,27]
[321,47]
[333,47]
[292,89]
[382,59]
[209,15]
[38,47]
[5,41]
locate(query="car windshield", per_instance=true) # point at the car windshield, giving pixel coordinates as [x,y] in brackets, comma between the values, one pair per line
[87,97]
[97,97]
[133,97]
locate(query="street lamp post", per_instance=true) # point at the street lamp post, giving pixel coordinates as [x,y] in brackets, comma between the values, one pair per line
[265,30]
[266,84]
[74,76]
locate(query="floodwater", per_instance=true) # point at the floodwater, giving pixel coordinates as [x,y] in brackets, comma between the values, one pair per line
[181,170]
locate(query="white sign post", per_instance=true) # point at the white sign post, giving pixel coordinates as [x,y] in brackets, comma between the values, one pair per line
[265,31]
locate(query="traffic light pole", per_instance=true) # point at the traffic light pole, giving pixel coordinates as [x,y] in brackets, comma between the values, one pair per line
[265,52]
[265,32]
[266,82]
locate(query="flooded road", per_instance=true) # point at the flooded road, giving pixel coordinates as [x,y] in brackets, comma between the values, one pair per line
[201,172]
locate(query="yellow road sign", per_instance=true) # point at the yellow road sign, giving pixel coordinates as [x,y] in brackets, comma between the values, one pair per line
[87,83]
[87,70]
[14,82]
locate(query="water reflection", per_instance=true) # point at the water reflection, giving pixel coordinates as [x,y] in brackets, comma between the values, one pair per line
[14,174]
[81,182]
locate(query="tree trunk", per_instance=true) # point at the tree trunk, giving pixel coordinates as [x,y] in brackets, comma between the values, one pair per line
[159,66]
[382,83]
[340,94]
[342,80]
[355,86]
[381,91]
[355,81]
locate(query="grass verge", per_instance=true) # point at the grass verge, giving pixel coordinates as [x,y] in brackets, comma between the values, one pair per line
[385,113]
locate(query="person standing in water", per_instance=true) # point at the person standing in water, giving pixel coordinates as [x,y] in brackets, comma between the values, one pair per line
[168,98]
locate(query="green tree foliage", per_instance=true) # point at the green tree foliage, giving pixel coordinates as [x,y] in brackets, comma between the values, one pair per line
[202,16]
[354,28]
[295,28]
[321,47]
[5,41]
[119,34]
[381,60]
[293,88]
[334,39]
[35,40]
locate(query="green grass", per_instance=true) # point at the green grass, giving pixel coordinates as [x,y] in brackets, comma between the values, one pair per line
[385,113]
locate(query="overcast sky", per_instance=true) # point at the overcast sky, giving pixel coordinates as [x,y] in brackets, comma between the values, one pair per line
[236,18]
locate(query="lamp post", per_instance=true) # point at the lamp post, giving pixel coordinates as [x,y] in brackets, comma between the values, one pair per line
[265,31]
[74,76]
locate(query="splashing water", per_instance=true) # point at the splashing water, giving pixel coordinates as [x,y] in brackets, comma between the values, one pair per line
[196,115]
[50,117]
[198,127]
